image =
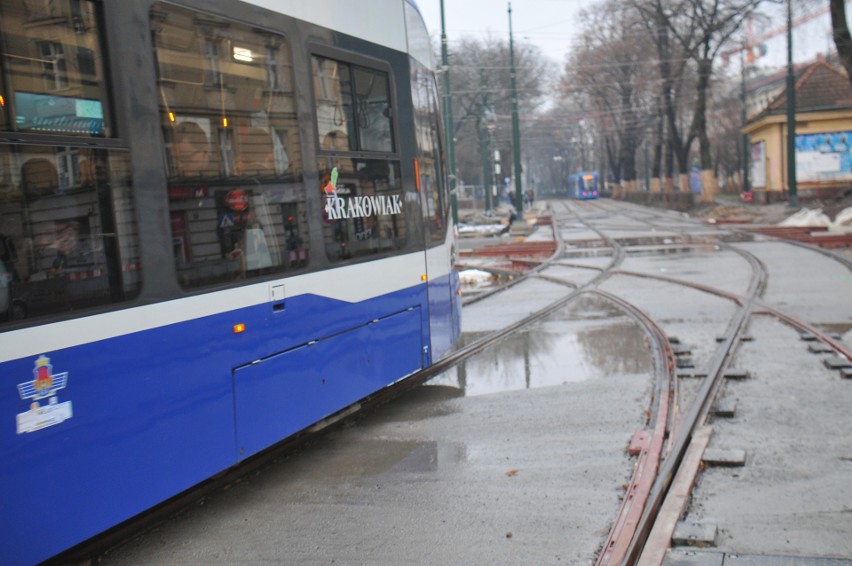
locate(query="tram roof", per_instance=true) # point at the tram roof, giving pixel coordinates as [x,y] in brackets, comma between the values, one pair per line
[387,22]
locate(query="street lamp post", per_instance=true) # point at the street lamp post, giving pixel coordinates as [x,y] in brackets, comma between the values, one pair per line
[485,132]
[486,169]
[493,156]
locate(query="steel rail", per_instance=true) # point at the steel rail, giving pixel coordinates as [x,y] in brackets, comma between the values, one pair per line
[560,246]
[628,536]
[91,549]
[664,360]
[648,461]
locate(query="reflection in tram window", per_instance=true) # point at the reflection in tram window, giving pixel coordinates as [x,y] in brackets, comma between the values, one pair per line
[363,199]
[191,151]
[52,60]
[364,208]
[67,244]
[431,170]
[354,101]
[236,193]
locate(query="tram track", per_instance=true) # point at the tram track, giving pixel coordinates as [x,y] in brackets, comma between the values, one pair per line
[655,467]
[654,470]
[101,545]
[651,537]
[674,435]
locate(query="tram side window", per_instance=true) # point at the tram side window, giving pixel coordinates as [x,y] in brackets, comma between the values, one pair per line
[68,238]
[432,185]
[54,69]
[233,154]
[363,197]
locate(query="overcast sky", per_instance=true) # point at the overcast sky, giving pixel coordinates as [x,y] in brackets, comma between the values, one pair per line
[547,23]
[551,24]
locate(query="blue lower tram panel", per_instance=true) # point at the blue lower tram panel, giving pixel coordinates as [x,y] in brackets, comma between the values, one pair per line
[285,393]
[151,414]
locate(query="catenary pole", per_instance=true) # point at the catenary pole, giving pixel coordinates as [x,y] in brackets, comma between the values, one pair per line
[792,192]
[516,129]
[449,127]
[744,116]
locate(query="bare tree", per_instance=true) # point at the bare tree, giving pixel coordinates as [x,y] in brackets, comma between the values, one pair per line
[611,78]
[481,95]
[700,29]
[840,33]
[659,17]
[552,142]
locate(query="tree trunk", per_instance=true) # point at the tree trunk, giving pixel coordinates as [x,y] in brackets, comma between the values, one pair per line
[699,129]
[840,33]
[708,186]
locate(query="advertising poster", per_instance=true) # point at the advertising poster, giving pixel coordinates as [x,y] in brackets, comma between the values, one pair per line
[758,164]
[823,157]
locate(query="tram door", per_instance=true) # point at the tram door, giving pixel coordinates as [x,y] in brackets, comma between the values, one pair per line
[443,317]
[435,201]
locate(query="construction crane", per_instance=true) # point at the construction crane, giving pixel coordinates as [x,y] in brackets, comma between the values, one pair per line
[755,47]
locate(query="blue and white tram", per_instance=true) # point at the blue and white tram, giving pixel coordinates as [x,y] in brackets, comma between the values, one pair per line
[220,223]
[584,185]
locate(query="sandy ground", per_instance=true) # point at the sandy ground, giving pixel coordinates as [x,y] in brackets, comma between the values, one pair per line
[767,213]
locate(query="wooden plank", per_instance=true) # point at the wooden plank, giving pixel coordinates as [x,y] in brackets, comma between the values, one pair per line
[676,499]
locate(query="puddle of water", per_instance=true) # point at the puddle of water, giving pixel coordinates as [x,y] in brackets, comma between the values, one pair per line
[584,253]
[431,456]
[420,403]
[673,250]
[652,240]
[836,328]
[734,237]
[587,340]
[340,462]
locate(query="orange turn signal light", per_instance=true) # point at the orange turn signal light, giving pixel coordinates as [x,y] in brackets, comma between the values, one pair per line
[239,328]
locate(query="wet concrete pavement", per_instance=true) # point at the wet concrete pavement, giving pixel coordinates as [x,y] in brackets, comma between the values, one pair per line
[517,455]
[793,496]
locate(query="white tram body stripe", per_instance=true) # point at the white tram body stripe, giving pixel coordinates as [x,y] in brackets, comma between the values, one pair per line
[352,284]
[438,258]
[378,21]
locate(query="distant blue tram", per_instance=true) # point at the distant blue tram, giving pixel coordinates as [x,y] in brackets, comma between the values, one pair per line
[584,185]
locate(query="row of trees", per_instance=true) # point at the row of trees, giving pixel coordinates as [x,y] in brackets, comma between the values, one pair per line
[634,98]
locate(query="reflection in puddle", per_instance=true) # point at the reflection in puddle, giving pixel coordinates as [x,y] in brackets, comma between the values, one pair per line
[838,329]
[581,253]
[673,250]
[420,403]
[656,240]
[431,457]
[734,237]
[589,339]
[349,462]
